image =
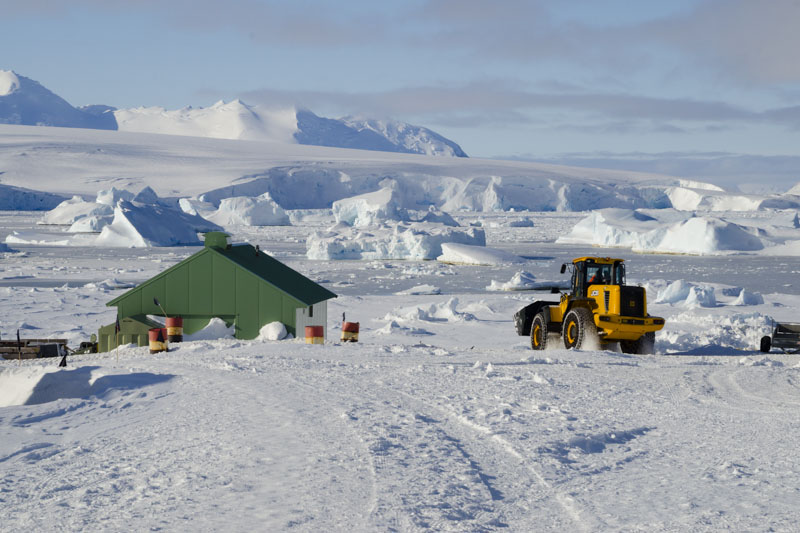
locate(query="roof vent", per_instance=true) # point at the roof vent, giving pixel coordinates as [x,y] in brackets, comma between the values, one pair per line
[218,239]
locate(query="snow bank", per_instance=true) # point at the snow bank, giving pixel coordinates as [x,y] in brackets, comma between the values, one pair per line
[215,329]
[415,241]
[370,209]
[662,231]
[37,385]
[475,255]
[703,331]
[246,211]
[441,312]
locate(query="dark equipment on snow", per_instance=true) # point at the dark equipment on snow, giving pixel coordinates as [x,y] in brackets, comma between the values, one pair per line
[785,337]
[32,348]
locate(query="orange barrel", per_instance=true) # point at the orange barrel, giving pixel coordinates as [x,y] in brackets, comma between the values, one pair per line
[315,335]
[350,332]
[158,340]
[174,329]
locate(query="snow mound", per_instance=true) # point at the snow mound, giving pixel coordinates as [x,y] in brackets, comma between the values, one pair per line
[371,208]
[274,331]
[215,329]
[9,82]
[662,231]
[441,312]
[246,211]
[419,290]
[687,294]
[415,241]
[393,328]
[701,297]
[748,298]
[475,255]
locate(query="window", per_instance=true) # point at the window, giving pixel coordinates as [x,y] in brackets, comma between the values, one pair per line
[310,311]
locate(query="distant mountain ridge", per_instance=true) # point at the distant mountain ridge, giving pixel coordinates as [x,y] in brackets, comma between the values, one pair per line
[26,102]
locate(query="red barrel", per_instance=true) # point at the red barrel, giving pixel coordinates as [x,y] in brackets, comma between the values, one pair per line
[174,329]
[315,335]
[158,340]
[350,332]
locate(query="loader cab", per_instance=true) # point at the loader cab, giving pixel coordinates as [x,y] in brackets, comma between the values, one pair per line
[594,271]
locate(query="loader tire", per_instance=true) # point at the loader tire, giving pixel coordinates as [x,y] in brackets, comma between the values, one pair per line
[539,331]
[579,331]
[766,344]
[644,345]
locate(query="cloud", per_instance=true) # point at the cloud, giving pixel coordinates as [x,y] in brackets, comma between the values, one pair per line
[741,39]
[756,41]
[498,101]
[301,22]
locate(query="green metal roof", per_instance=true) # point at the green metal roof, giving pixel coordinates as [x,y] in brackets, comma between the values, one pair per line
[265,267]
[273,271]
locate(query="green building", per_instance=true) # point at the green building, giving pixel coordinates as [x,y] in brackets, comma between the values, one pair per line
[237,283]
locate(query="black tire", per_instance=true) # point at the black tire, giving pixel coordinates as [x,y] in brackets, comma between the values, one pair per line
[644,345]
[766,344]
[579,331]
[539,331]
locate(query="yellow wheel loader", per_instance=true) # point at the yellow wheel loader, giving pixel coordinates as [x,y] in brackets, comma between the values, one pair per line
[599,310]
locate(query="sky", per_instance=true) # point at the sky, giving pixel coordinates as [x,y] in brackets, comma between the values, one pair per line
[711,84]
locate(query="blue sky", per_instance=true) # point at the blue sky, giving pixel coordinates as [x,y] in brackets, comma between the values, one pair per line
[558,80]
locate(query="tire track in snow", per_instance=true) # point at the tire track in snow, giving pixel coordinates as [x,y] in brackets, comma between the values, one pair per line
[572,509]
[735,397]
[495,463]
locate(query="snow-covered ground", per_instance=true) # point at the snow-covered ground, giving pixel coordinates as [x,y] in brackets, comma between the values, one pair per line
[440,418]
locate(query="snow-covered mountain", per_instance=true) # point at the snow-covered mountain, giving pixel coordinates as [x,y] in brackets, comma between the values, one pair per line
[26,102]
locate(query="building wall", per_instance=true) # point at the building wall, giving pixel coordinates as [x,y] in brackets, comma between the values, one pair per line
[208,285]
[305,316]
